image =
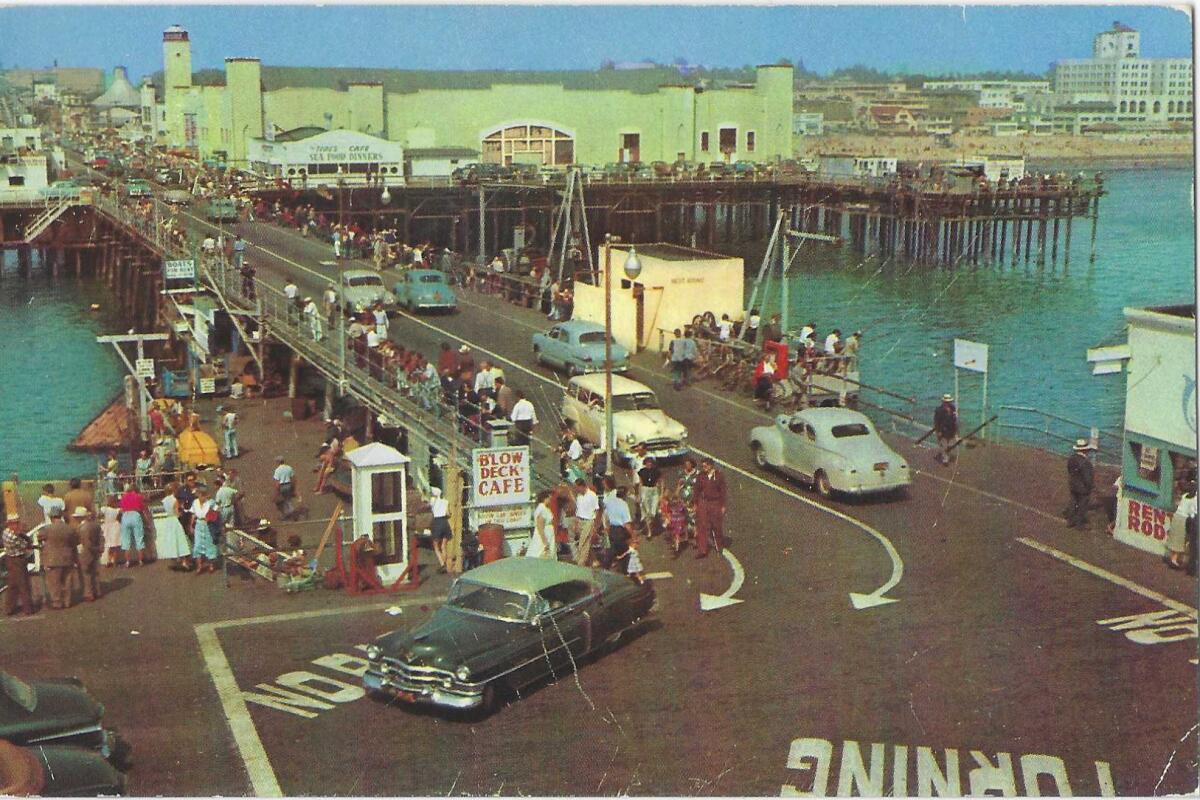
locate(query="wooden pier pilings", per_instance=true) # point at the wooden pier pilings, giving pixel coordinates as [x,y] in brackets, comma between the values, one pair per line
[890,219]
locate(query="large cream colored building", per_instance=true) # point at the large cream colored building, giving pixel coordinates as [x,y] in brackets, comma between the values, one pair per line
[548,118]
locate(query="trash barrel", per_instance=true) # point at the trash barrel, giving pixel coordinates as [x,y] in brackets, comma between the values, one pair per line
[491,538]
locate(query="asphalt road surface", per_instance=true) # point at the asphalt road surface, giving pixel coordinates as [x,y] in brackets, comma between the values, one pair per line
[1002,661]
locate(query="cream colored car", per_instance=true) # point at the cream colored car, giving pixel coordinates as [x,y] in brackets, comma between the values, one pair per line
[637,417]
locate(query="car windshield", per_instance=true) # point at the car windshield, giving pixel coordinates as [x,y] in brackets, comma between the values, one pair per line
[431,279]
[846,431]
[475,598]
[592,337]
[364,280]
[18,691]
[642,401]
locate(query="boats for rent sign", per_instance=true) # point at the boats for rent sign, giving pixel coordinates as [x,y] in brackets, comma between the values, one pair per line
[500,476]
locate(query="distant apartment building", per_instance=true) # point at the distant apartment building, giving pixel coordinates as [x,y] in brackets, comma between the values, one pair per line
[1143,92]
[992,94]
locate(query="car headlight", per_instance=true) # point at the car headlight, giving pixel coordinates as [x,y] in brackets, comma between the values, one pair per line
[462,673]
[374,653]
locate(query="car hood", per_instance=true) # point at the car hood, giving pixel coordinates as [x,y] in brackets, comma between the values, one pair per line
[62,705]
[648,424]
[449,639]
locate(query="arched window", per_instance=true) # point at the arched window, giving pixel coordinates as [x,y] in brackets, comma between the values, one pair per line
[1142,107]
[1124,106]
[1157,107]
[1170,106]
[549,145]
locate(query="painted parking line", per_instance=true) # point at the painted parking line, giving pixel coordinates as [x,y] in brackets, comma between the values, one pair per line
[1111,577]
[237,714]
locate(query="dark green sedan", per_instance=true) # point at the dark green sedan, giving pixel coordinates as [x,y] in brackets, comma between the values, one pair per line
[504,626]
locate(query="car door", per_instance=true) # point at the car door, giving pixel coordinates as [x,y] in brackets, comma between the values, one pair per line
[402,289]
[552,345]
[567,624]
[792,451]
[806,450]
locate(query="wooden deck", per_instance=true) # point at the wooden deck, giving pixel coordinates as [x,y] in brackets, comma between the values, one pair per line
[109,429]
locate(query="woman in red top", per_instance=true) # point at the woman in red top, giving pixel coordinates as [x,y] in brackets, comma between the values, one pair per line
[133,525]
[764,379]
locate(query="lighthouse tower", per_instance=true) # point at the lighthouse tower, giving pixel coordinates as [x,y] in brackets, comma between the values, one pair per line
[177,82]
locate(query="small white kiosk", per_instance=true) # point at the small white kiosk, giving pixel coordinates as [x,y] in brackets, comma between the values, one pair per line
[378,477]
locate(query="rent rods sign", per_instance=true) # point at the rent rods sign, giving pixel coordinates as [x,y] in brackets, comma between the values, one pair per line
[500,476]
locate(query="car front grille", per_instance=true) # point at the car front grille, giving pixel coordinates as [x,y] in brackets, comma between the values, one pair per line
[662,443]
[414,676]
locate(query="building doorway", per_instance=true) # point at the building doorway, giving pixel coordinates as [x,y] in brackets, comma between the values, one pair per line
[539,144]
[631,148]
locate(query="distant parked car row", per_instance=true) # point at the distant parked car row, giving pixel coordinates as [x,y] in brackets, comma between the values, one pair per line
[637,171]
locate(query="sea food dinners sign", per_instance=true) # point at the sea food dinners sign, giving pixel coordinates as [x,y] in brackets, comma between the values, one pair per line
[500,476]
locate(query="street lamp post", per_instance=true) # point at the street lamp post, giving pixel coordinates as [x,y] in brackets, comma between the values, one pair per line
[633,268]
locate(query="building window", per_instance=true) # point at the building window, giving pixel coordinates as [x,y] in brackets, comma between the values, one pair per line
[631,145]
[16,180]
[1157,106]
[549,145]
[1124,106]
[749,141]
[703,141]
[1147,466]
[727,140]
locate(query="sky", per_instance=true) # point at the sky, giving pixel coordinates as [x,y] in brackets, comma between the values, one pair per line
[946,38]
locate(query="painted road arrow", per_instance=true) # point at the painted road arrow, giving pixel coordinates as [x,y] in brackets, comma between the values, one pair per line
[711,602]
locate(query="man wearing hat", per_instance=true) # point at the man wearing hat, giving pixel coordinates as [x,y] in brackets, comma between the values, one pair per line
[59,557]
[91,547]
[1080,476]
[17,549]
[313,315]
[945,424]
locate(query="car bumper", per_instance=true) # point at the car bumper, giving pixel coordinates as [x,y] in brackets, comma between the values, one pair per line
[435,305]
[661,452]
[397,688]
[876,485]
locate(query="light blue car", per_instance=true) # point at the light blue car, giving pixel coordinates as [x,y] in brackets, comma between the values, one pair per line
[577,346]
[425,289]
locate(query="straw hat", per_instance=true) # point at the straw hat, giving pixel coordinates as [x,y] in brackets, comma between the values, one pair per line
[1081,445]
[80,511]
[14,516]
[947,398]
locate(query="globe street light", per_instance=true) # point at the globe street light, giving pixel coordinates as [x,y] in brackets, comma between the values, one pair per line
[633,268]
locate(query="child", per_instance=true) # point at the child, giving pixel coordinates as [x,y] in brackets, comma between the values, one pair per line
[633,565]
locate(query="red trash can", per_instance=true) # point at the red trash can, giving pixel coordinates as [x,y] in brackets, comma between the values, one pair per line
[491,539]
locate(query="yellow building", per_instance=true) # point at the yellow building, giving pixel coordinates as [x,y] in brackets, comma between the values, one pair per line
[521,117]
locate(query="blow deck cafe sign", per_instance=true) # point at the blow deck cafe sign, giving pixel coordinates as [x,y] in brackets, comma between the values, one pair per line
[500,476]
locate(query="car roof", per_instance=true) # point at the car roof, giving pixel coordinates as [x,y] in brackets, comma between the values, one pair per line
[437,272]
[828,416]
[594,382]
[527,575]
[581,326]
[359,273]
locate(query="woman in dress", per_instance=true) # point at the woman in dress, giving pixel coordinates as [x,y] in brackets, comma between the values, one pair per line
[172,542]
[204,550]
[541,541]
[110,516]
[686,490]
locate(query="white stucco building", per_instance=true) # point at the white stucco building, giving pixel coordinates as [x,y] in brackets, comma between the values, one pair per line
[1160,422]
[319,156]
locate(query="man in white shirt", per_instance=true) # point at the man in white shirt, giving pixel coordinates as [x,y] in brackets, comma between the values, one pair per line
[807,331]
[524,418]
[381,320]
[832,341]
[485,379]
[373,338]
[209,245]
[229,429]
[314,319]
[587,504]
[50,503]
[329,300]
[285,487]
[291,293]
[724,328]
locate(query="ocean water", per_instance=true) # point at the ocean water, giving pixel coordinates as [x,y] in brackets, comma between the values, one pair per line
[54,377]
[1038,321]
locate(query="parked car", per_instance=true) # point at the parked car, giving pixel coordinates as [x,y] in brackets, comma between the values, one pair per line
[720,169]
[425,289]
[58,712]
[637,416]
[833,449]
[136,187]
[504,626]
[222,209]
[56,772]
[363,288]
[577,346]
[176,197]
[744,169]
